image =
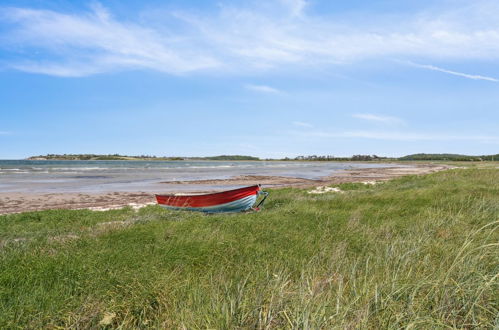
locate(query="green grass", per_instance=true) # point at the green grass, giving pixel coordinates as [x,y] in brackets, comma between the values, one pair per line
[417,252]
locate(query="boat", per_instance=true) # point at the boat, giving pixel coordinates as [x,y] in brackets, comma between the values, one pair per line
[236,200]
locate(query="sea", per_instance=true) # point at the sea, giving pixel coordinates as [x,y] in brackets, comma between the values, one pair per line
[96,176]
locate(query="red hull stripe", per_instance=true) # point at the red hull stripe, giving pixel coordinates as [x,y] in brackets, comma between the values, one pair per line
[207,199]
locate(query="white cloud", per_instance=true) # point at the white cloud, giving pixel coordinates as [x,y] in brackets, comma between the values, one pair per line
[302,124]
[378,118]
[400,136]
[455,73]
[243,39]
[95,42]
[262,89]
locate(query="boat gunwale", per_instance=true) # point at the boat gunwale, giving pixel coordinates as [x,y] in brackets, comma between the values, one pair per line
[210,194]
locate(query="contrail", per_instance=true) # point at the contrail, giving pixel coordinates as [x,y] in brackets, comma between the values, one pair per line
[455,73]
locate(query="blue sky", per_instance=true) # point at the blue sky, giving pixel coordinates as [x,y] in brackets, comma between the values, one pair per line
[267,78]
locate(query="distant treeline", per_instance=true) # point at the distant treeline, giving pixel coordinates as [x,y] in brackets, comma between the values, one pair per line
[333,158]
[99,157]
[454,157]
[230,157]
[421,157]
[141,157]
[447,157]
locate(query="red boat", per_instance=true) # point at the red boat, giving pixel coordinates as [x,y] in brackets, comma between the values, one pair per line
[236,200]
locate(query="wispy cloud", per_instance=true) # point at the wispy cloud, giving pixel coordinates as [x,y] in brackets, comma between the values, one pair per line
[295,7]
[262,89]
[378,118]
[241,38]
[302,124]
[400,136]
[455,73]
[4,133]
[95,42]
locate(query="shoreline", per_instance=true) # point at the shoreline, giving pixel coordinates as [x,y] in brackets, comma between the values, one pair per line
[18,202]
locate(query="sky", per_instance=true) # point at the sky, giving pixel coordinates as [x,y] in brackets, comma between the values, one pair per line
[269,78]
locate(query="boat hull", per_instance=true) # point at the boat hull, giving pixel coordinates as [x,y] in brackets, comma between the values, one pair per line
[236,200]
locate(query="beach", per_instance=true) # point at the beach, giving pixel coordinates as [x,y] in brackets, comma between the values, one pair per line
[99,198]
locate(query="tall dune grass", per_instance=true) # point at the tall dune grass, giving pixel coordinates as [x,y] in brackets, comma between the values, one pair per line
[416,252]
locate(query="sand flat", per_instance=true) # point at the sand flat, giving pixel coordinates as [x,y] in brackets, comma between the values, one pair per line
[15,202]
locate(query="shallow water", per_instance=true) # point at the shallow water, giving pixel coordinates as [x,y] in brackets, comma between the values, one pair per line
[54,176]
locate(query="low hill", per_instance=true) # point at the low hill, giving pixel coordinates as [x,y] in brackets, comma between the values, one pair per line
[99,157]
[454,157]
[142,157]
[231,157]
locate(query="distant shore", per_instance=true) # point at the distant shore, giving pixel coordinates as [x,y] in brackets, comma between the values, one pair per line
[355,158]
[15,202]
[142,158]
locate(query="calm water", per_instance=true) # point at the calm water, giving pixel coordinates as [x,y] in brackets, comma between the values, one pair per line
[102,176]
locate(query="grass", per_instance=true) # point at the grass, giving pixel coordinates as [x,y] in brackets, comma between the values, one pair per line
[416,252]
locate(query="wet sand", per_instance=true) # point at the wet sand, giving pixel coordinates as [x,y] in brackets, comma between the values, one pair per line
[357,175]
[15,202]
